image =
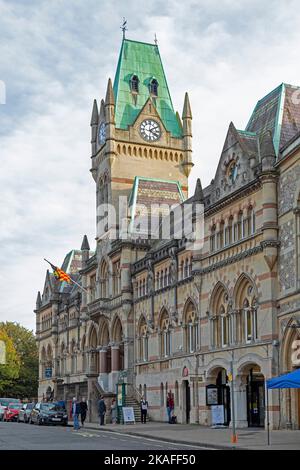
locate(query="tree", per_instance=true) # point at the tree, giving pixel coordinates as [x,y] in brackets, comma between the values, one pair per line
[26,384]
[9,370]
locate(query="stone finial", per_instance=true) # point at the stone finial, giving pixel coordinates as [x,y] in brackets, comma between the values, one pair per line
[267,151]
[85,244]
[187,112]
[102,111]
[109,99]
[38,300]
[198,194]
[95,114]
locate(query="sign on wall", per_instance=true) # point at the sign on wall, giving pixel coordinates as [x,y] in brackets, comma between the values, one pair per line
[48,372]
[211,395]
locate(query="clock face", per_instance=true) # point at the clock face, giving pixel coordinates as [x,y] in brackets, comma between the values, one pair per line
[150,130]
[101,133]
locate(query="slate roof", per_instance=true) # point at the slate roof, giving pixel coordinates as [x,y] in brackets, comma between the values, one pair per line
[143,60]
[279,112]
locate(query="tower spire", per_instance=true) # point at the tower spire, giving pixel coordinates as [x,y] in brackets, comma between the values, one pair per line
[124,27]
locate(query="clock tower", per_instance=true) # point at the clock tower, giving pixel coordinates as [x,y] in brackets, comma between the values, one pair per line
[137,135]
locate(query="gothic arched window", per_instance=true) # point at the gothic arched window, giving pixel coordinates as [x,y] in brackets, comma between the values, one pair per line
[165,345]
[134,84]
[153,87]
[143,340]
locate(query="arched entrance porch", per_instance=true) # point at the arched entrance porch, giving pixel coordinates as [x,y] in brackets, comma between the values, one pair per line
[218,391]
[250,396]
[290,398]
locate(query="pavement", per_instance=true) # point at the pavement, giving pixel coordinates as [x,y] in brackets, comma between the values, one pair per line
[206,437]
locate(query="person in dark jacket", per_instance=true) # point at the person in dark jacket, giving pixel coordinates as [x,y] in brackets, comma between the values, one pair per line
[75,412]
[83,410]
[101,410]
[144,410]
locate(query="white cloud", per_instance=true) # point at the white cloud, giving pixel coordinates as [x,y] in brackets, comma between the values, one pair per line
[56,57]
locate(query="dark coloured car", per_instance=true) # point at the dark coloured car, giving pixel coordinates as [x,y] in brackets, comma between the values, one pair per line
[11,412]
[24,413]
[48,413]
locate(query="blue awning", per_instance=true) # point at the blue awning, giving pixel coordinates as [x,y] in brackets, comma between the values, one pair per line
[290,380]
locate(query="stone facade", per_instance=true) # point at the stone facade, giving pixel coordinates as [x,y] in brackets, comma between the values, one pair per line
[158,315]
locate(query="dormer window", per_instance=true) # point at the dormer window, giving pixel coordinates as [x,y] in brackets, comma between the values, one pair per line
[153,87]
[134,84]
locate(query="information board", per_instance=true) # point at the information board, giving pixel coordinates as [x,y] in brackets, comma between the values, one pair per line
[128,414]
[217,414]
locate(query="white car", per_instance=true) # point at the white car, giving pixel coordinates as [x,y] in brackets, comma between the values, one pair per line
[2,408]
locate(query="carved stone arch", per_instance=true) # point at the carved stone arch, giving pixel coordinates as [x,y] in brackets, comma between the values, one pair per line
[290,335]
[217,297]
[83,344]
[163,317]
[296,204]
[142,327]
[250,361]
[43,354]
[93,336]
[49,352]
[214,367]
[241,290]
[189,306]
[103,332]
[116,333]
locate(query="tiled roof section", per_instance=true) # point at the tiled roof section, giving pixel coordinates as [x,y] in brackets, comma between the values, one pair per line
[150,191]
[143,60]
[291,114]
[249,140]
[265,114]
[278,112]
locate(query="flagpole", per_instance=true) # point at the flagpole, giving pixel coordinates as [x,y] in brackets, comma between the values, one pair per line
[78,285]
[72,280]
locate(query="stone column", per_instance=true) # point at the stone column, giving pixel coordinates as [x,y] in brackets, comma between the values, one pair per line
[240,403]
[103,358]
[212,338]
[115,358]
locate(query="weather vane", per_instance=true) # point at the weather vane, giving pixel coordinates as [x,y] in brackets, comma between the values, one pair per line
[124,27]
[155,39]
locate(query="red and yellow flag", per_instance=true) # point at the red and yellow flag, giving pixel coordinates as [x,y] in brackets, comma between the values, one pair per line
[59,273]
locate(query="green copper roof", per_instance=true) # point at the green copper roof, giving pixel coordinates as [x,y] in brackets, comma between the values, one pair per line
[143,60]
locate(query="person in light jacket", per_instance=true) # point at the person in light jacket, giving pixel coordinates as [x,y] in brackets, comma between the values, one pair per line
[75,412]
[113,411]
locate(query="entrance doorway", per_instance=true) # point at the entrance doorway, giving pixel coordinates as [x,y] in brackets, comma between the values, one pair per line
[187,400]
[224,395]
[255,399]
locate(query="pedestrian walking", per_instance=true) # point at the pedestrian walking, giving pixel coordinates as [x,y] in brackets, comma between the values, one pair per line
[144,410]
[101,410]
[75,412]
[170,406]
[113,411]
[83,410]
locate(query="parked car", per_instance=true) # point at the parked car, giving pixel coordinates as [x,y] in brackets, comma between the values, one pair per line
[2,408]
[48,413]
[24,413]
[11,412]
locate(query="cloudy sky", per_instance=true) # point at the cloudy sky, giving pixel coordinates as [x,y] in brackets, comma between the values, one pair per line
[56,57]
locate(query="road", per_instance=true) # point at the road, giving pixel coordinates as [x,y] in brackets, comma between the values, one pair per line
[19,436]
